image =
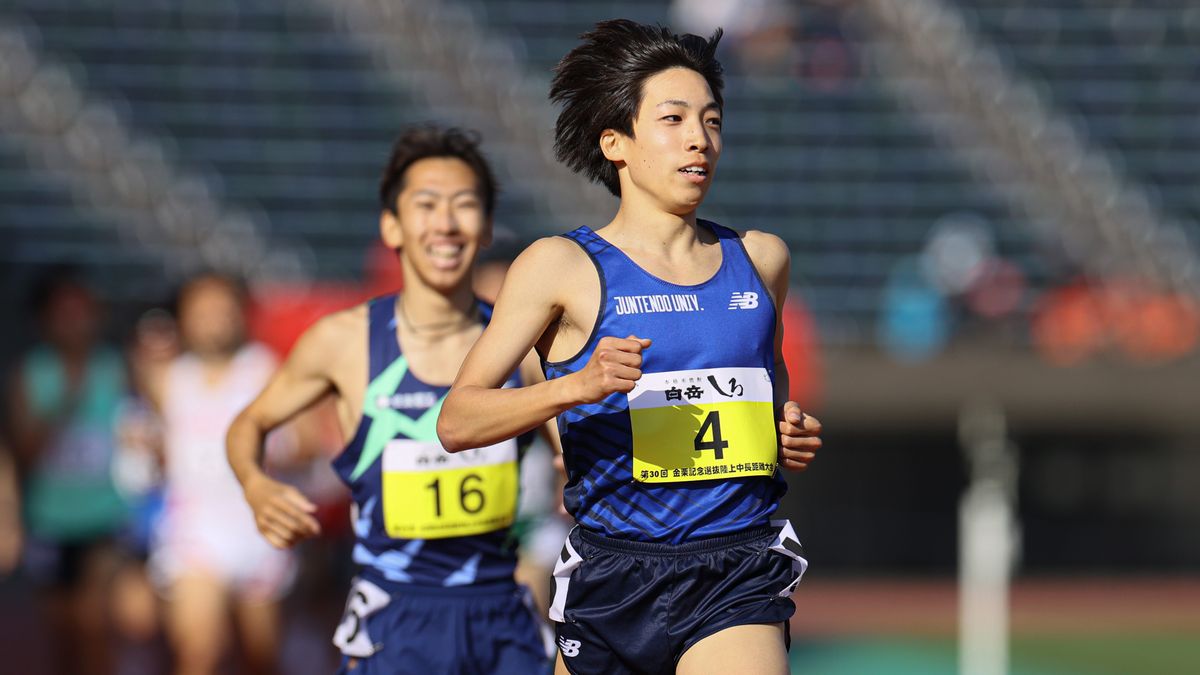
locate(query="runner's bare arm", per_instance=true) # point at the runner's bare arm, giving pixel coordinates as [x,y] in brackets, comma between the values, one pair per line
[282,513]
[798,432]
[531,372]
[477,411]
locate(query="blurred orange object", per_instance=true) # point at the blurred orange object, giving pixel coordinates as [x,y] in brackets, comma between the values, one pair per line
[1076,322]
[1068,327]
[801,353]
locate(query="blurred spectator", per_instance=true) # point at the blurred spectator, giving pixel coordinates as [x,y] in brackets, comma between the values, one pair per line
[1084,318]
[138,475]
[207,556]
[63,407]
[826,60]
[758,33]
[777,38]
[494,262]
[915,321]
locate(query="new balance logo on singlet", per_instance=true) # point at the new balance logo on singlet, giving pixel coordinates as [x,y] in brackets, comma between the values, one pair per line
[743,300]
[569,647]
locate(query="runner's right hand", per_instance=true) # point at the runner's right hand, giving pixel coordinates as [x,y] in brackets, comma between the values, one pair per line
[282,513]
[615,366]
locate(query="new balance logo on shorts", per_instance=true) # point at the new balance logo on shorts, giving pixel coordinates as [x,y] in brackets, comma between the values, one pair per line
[746,300]
[569,647]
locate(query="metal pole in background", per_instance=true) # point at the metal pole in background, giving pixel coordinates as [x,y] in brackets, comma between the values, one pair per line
[988,541]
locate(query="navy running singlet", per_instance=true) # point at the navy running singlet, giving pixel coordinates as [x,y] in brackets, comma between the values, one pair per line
[424,516]
[692,451]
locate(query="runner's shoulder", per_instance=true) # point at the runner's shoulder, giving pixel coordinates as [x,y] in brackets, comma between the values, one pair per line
[547,259]
[768,252]
[336,331]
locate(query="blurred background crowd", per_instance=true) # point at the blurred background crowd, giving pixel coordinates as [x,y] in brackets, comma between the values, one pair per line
[988,202]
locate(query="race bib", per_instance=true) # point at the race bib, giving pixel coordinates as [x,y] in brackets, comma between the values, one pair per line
[351,636]
[429,493]
[703,424]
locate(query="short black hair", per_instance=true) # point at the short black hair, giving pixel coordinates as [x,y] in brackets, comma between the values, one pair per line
[51,282]
[599,84]
[430,140]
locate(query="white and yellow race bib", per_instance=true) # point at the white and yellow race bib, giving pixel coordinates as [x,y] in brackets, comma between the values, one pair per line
[429,493]
[703,424]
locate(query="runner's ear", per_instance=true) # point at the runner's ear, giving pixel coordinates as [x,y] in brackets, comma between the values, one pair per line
[611,146]
[389,230]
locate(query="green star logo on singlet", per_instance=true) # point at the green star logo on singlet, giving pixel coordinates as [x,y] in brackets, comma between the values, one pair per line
[386,423]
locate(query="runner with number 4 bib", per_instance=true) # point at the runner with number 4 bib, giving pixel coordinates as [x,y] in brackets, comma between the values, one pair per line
[660,339]
[435,593]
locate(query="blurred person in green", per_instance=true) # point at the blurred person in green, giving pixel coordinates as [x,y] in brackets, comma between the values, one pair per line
[63,405]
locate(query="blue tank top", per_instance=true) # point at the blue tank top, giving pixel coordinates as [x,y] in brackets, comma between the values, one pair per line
[421,515]
[691,452]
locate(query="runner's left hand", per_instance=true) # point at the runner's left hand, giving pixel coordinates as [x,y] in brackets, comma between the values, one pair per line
[798,437]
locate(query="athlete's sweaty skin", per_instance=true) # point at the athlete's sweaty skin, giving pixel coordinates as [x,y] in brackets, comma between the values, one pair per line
[551,297]
[439,227]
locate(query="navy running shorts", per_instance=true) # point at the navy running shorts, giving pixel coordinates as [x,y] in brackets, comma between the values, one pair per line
[464,630]
[636,607]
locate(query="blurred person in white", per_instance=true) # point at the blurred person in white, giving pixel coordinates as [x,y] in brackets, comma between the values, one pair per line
[62,408]
[206,554]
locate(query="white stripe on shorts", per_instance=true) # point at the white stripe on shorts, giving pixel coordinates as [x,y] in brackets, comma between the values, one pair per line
[568,560]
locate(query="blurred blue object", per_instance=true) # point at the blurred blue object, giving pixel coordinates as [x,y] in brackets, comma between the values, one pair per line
[914,321]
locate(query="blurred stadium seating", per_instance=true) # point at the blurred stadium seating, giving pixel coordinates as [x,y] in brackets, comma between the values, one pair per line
[286,116]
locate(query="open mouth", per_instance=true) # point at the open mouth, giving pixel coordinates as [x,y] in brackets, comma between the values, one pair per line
[695,174]
[445,256]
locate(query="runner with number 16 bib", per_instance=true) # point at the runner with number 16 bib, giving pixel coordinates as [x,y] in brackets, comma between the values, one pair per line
[435,591]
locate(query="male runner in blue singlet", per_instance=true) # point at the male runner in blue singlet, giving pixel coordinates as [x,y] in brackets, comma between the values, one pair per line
[435,593]
[660,338]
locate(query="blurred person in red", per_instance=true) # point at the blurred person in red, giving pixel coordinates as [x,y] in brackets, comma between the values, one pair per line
[62,410]
[206,554]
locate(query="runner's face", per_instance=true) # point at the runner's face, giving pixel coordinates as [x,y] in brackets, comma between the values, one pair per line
[676,140]
[441,221]
[211,321]
[72,319]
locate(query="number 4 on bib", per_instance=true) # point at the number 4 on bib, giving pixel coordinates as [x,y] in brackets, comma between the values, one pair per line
[704,424]
[712,422]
